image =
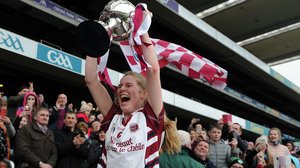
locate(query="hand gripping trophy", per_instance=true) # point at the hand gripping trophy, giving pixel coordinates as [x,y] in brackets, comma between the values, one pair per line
[94,37]
[121,21]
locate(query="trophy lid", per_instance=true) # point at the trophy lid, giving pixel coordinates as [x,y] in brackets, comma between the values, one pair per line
[92,38]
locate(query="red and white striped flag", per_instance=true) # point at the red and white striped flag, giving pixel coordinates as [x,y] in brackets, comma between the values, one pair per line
[188,62]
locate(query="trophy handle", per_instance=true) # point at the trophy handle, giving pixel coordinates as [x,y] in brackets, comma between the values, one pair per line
[92,38]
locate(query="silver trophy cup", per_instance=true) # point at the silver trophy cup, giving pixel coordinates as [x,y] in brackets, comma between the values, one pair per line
[94,37]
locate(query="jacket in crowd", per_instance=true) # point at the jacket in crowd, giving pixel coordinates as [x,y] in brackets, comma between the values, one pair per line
[33,146]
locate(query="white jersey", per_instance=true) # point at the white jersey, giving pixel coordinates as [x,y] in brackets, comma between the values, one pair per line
[134,144]
[126,143]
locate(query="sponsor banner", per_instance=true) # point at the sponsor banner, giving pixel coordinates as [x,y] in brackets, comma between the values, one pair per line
[285,117]
[273,112]
[60,10]
[256,128]
[58,58]
[259,105]
[245,98]
[17,44]
[284,80]
[171,4]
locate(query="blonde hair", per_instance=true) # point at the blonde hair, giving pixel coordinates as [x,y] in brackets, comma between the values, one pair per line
[278,132]
[172,142]
[141,81]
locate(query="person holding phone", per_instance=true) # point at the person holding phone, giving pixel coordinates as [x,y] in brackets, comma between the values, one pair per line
[30,105]
[70,143]
[260,156]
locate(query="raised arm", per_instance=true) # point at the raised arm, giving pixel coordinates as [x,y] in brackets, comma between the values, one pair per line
[97,90]
[153,75]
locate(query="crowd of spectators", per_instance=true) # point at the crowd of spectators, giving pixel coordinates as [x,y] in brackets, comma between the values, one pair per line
[34,134]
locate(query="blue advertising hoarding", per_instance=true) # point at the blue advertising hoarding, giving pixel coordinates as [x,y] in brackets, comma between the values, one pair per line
[59,58]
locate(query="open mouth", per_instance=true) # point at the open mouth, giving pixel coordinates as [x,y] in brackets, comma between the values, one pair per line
[125,98]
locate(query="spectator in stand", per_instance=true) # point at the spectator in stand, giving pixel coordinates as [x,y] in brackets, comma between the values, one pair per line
[95,149]
[3,107]
[200,151]
[236,162]
[30,101]
[91,106]
[291,147]
[70,143]
[260,156]
[219,152]
[100,117]
[195,124]
[34,143]
[14,102]
[275,147]
[95,126]
[203,135]
[136,114]
[42,100]
[8,131]
[58,112]
[11,132]
[84,112]
[230,131]
[6,120]
[176,148]
[4,144]
[71,108]
[23,122]
[30,106]
[83,127]
[250,147]
[93,131]
[92,117]
[193,135]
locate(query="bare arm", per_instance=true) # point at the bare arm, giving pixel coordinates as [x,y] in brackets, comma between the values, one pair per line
[153,76]
[97,90]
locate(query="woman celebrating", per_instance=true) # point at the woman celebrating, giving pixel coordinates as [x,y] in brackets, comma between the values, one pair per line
[134,122]
[275,146]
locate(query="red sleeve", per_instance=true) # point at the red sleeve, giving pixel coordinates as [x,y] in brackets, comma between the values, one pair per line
[107,119]
[156,123]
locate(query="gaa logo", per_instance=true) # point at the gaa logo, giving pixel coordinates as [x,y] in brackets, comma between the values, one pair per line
[59,59]
[10,41]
